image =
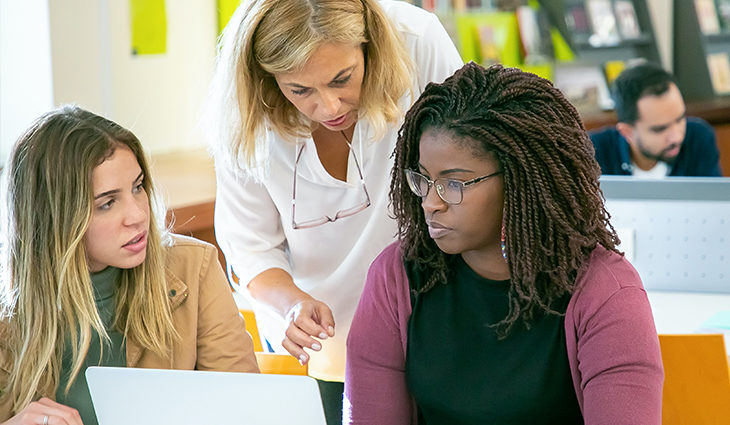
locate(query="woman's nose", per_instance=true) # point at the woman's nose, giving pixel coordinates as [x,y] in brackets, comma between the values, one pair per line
[136,213]
[329,104]
[432,202]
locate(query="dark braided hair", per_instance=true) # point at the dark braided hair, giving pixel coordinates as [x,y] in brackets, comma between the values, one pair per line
[554,213]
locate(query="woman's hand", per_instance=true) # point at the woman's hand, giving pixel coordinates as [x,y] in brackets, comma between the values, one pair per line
[307,319]
[46,412]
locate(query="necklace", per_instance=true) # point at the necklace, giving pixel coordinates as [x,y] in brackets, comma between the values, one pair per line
[349,142]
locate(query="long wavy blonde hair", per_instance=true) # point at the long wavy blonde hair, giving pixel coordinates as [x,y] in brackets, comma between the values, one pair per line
[47,294]
[267,37]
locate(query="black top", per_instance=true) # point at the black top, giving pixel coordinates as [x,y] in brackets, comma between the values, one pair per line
[459,372]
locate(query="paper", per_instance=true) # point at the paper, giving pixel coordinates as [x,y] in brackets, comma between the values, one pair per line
[226,8]
[149,27]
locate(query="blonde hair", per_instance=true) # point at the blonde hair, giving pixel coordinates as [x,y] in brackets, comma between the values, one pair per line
[47,292]
[267,37]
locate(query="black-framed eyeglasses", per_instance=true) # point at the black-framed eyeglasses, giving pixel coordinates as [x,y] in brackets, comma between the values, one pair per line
[449,190]
[340,214]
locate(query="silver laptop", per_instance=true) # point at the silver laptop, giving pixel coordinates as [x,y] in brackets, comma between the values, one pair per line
[675,231]
[181,397]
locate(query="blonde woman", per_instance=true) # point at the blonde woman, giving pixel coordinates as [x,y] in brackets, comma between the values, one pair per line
[91,276]
[307,100]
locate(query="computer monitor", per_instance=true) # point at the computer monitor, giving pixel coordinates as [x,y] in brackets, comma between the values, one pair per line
[675,231]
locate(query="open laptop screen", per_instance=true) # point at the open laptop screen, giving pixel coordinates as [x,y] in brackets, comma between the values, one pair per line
[182,397]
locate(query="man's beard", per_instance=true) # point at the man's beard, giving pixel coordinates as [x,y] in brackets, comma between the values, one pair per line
[661,156]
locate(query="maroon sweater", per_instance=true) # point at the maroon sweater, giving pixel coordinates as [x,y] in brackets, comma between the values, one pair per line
[612,345]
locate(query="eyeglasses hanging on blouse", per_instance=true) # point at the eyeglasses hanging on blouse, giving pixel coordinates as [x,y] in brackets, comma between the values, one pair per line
[340,214]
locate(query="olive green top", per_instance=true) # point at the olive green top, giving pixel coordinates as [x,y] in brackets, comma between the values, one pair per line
[78,397]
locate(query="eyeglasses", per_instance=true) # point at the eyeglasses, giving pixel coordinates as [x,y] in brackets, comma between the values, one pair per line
[326,219]
[449,190]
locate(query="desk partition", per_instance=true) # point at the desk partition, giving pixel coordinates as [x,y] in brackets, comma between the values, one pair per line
[675,231]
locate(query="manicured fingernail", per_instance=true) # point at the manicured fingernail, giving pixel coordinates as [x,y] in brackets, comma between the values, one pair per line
[316,346]
[323,335]
[331,330]
[302,359]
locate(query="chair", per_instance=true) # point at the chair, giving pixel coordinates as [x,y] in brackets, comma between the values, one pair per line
[696,379]
[270,363]
[252,329]
[281,364]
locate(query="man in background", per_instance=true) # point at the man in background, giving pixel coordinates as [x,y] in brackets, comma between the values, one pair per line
[653,137]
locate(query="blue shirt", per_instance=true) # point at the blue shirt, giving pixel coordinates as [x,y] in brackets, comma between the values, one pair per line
[698,155]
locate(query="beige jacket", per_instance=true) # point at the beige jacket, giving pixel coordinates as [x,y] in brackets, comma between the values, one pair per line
[213,334]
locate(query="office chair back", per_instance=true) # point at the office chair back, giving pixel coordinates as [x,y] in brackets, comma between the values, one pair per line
[696,379]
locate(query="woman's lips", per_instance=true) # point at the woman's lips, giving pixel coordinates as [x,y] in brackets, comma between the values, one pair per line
[137,244]
[437,230]
[337,121]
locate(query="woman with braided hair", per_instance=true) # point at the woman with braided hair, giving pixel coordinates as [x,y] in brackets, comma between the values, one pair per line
[505,299]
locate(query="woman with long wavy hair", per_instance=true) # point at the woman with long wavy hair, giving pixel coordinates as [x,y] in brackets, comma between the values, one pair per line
[92,277]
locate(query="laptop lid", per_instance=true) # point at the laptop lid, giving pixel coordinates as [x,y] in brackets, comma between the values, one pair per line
[154,396]
[675,231]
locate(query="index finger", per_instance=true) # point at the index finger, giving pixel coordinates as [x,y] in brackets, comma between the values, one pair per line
[326,320]
[309,323]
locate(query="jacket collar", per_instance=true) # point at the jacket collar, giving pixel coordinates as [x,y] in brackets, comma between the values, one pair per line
[177,293]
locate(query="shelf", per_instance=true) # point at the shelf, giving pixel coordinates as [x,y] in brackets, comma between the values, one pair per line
[723,37]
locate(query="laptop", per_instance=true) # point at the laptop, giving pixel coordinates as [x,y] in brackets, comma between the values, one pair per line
[181,397]
[675,231]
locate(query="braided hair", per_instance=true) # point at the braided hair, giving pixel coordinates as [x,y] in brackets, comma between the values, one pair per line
[554,214]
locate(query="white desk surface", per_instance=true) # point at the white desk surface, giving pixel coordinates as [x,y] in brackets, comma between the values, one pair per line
[685,312]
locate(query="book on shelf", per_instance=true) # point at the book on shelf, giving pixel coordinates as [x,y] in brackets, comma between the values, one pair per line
[584,86]
[719,66]
[628,24]
[603,22]
[612,69]
[723,12]
[489,46]
[429,5]
[459,5]
[535,38]
[707,16]
[576,20]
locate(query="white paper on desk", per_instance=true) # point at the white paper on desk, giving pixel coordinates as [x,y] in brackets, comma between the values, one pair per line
[626,234]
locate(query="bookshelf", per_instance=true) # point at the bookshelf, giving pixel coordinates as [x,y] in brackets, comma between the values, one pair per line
[615,44]
[700,48]
[588,41]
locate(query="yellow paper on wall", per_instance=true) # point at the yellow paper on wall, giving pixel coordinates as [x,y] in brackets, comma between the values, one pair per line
[149,27]
[225,11]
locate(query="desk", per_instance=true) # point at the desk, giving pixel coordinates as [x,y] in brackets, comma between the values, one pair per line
[684,312]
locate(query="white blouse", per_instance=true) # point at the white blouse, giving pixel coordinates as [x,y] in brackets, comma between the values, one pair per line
[253,218]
